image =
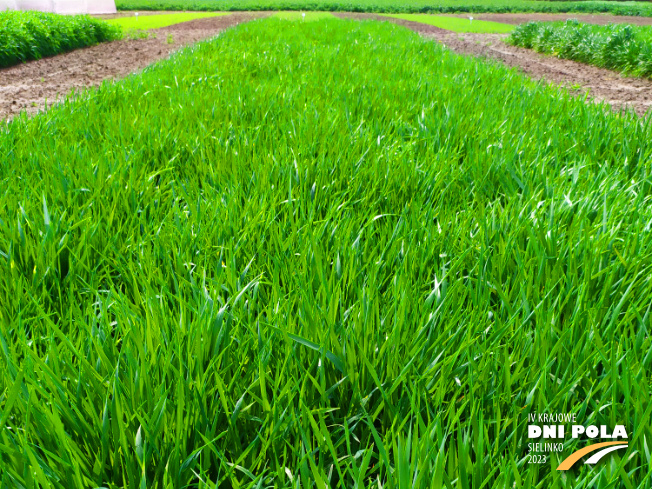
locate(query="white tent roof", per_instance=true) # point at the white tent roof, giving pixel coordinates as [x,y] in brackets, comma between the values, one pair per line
[62,6]
[100,7]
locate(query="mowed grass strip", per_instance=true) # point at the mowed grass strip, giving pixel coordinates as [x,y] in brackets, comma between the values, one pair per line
[146,22]
[621,47]
[456,24]
[26,36]
[327,253]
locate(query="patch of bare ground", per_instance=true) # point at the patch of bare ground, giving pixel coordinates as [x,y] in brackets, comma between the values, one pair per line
[600,84]
[30,85]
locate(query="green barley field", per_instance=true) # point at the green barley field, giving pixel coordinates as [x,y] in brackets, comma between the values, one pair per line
[321,254]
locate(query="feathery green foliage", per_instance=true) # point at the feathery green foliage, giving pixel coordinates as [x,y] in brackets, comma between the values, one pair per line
[325,254]
[621,47]
[396,6]
[31,35]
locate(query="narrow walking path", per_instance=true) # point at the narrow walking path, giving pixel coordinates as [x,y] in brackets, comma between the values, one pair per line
[28,86]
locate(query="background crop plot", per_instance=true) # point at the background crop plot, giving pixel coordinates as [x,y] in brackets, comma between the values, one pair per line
[307,16]
[146,22]
[28,35]
[456,24]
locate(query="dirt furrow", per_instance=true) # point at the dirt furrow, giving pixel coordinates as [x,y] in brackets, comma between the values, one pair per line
[601,19]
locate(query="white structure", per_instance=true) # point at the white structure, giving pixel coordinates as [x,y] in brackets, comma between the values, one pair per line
[62,6]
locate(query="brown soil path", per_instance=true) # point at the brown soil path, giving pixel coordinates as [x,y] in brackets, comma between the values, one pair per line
[28,86]
[601,84]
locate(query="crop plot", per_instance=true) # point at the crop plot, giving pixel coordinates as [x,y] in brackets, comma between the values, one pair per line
[625,48]
[282,257]
[146,22]
[456,24]
[31,87]
[589,82]
[307,16]
[524,18]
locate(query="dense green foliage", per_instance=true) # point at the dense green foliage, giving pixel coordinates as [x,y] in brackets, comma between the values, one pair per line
[144,22]
[26,36]
[625,48]
[456,24]
[325,254]
[396,6]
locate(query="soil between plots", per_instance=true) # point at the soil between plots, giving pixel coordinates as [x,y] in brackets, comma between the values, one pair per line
[28,86]
[602,85]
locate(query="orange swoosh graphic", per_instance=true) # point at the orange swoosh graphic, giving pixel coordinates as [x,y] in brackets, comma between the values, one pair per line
[575,456]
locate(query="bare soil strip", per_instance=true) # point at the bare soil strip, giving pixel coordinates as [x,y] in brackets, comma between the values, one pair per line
[600,84]
[28,86]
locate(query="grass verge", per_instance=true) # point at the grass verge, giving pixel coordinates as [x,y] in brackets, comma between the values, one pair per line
[457,25]
[145,22]
[330,254]
[26,36]
[625,48]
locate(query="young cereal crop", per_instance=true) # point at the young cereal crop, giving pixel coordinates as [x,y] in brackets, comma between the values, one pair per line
[621,47]
[145,22]
[321,254]
[396,6]
[31,35]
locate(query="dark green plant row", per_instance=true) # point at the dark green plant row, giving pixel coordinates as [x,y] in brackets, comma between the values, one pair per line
[395,6]
[27,36]
[620,47]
